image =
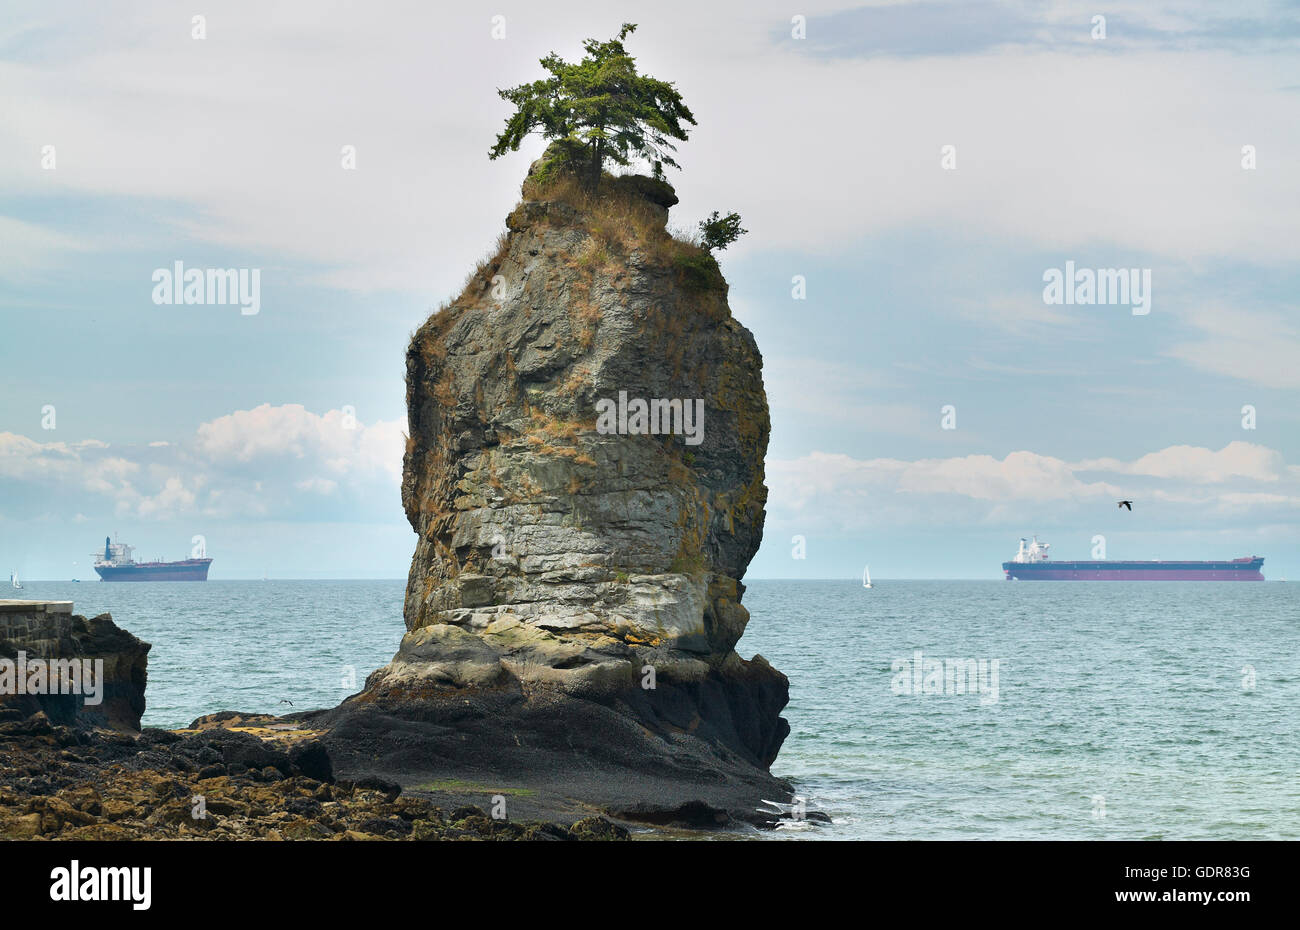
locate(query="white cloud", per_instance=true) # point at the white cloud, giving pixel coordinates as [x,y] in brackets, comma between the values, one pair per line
[291,431]
[110,476]
[27,459]
[248,463]
[1058,150]
[172,500]
[1022,475]
[840,492]
[1198,465]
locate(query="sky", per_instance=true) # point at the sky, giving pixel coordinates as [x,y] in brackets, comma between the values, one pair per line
[929,408]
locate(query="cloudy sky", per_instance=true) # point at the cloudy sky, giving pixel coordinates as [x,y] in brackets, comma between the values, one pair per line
[278,435]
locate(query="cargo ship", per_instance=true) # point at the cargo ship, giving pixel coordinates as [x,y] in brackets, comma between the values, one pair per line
[1032,563]
[115,564]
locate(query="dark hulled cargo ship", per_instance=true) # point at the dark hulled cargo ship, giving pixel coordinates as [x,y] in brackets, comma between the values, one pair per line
[1032,563]
[115,564]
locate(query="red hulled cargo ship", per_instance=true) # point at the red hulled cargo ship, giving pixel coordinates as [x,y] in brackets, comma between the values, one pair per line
[115,564]
[1032,563]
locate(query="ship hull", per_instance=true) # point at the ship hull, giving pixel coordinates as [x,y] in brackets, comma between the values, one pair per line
[1238,570]
[189,570]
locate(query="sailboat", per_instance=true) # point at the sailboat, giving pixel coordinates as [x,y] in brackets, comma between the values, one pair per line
[14,582]
[866,577]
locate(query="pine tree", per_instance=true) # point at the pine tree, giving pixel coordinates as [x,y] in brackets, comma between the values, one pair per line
[598,110]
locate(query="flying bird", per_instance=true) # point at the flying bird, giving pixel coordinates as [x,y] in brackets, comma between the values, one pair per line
[286,701]
[1128,504]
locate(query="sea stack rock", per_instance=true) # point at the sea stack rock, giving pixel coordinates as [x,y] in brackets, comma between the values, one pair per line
[585,477]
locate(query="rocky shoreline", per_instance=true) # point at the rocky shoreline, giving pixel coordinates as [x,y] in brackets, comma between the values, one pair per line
[229,777]
[73,769]
[75,765]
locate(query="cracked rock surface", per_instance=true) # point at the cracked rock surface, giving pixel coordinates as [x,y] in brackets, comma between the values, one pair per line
[575,597]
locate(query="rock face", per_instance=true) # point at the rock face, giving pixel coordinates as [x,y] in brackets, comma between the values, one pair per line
[47,632]
[576,585]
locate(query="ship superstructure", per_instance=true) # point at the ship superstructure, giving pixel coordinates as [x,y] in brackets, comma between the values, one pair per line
[116,563]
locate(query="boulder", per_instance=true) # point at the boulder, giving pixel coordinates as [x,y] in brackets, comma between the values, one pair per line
[107,690]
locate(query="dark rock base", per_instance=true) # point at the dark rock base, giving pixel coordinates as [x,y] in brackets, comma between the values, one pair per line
[651,758]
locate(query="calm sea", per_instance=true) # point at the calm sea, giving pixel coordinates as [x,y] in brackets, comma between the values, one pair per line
[1121,710]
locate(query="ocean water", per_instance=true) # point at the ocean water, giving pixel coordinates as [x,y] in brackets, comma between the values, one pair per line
[1125,710]
[246,645]
[1166,710]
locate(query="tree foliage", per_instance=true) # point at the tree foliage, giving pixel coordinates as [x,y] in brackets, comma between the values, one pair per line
[719,232]
[597,110]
